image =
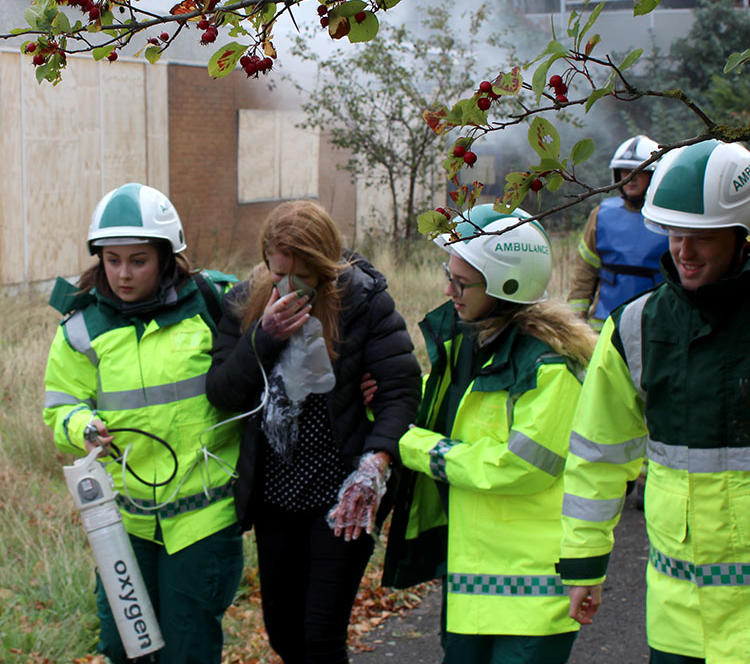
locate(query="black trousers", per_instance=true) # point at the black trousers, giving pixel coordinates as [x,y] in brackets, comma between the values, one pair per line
[309,580]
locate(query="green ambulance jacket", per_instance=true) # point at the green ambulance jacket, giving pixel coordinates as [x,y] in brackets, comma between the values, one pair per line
[147,374]
[502,466]
[670,381]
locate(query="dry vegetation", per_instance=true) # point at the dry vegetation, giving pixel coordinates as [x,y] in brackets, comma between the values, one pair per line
[47,608]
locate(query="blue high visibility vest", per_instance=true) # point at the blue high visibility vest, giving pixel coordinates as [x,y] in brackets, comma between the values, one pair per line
[629,253]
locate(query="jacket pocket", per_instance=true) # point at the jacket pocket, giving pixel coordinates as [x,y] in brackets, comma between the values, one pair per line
[666,513]
[741,514]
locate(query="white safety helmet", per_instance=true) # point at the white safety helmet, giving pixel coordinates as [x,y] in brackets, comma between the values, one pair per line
[632,153]
[700,187]
[135,213]
[516,265]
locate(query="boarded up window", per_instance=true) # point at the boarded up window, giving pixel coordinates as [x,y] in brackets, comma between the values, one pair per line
[275,159]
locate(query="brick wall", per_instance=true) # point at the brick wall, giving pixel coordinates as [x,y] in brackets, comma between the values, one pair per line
[203,165]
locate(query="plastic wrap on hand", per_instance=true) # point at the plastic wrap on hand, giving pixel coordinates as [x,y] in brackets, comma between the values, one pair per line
[360,495]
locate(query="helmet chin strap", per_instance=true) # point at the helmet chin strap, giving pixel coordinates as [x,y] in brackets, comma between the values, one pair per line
[635,201]
[166,296]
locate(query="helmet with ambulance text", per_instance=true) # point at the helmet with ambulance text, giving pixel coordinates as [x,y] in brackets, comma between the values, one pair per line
[135,213]
[516,265]
[630,154]
[700,187]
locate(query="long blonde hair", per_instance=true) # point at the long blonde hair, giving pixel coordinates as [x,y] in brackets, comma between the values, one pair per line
[303,230]
[550,321]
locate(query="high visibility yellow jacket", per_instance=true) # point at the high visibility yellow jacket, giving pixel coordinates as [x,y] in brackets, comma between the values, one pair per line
[670,381]
[148,374]
[501,467]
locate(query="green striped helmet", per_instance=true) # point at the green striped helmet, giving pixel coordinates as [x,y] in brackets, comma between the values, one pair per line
[516,265]
[701,187]
[135,213]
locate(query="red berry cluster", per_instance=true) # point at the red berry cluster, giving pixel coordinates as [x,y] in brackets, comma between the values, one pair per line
[323,13]
[42,51]
[164,36]
[487,96]
[87,6]
[254,65]
[557,84]
[460,152]
[210,32]
[444,212]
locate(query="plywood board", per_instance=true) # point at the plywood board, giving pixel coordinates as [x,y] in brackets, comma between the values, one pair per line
[123,86]
[11,200]
[62,167]
[257,154]
[157,126]
[299,157]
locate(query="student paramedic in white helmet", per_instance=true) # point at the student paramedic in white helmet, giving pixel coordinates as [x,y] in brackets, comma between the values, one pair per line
[670,381]
[132,353]
[480,507]
[618,257]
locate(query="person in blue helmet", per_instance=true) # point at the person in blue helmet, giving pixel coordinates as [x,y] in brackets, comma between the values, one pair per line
[618,257]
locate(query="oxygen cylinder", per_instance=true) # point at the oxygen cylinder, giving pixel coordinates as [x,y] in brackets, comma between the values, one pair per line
[91,488]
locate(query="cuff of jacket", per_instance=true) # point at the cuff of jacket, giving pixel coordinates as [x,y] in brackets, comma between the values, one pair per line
[583,571]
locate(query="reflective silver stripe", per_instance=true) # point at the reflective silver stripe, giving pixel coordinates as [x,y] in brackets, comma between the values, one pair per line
[711,574]
[696,460]
[152,396]
[78,336]
[619,453]
[535,454]
[53,399]
[542,585]
[588,509]
[632,339]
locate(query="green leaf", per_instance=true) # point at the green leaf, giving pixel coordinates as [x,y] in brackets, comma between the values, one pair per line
[365,31]
[544,138]
[736,60]
[630,58]
[452,165]
[596,95]
[645,6]
[509,84]
[554,181]
[553,48]
[153,54]
[101,52]
[60,23]
[592,19]
[582,150]
[516,187]
[466,112]
[351,8]
[548,164]
[225,59]
[433,224]
[539,79]
[41,73]
[107,18]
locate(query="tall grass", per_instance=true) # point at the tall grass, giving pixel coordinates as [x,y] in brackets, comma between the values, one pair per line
[47,604]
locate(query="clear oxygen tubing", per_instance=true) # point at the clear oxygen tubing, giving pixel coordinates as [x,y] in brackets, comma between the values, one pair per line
[203,456]
[91,488]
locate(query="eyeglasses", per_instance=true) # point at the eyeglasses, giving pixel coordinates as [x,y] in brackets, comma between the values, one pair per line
[458,286]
